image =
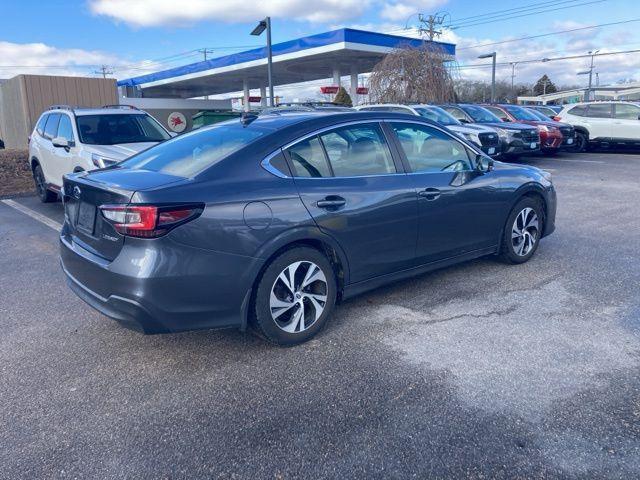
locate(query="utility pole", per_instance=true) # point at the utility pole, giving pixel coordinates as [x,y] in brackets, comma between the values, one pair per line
[493,74]
[204,52]
[432,22]
[513,76]
[590,72]
[104,71]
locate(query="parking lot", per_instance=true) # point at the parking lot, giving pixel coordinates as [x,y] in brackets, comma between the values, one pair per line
[481,370]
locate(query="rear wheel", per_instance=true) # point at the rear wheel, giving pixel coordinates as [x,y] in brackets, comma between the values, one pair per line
[522,231]
[582,142]
[45,195]
[295,296]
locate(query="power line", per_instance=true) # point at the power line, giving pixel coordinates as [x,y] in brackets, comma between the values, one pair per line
[548,34]
[510,17]
[546,59]
[531,5]
[540,7]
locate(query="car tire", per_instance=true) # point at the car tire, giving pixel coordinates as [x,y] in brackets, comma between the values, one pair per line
[523,230]
[45,195]
[582,142]
[295,297]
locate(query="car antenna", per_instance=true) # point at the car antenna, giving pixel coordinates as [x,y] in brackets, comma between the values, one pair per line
[247,117]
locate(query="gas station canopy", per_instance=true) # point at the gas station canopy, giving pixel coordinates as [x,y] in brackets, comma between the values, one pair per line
[332,54]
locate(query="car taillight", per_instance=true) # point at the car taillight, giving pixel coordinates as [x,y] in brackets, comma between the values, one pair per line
[148,221]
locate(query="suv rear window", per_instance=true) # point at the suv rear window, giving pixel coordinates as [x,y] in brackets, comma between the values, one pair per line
[51,127]
[191,154]
[41,123]
[113,129]
[578,111]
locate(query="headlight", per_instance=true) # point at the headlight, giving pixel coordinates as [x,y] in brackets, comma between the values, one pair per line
[100,161]
[502,133]
[472,137]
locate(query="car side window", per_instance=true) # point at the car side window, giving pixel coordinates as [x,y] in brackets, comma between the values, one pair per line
[358,150]
[578,111]
[308,159]
[626,111]
[41,123]
[51,127]
[499,113]
[599,110]
[430,150]
[65,130]
[456,113]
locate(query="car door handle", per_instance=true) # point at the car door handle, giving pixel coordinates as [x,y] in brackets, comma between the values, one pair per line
[429,193]
[331,202]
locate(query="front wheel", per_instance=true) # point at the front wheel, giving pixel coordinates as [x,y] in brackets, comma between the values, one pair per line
[522,231]
[295,296]
[582,142]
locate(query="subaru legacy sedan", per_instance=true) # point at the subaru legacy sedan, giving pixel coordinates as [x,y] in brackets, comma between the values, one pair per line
[270,221]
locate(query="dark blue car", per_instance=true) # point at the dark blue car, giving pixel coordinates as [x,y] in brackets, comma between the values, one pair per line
[270,221]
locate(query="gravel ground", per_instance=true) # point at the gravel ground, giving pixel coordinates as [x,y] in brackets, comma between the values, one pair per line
[477,371]
[15,176]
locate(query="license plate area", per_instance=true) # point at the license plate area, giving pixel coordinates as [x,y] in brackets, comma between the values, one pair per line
[534,145]
[491,151]
[86,218]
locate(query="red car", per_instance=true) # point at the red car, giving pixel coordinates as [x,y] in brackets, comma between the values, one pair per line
[551,138]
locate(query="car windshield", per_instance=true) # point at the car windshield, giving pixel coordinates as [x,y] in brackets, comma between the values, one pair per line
[113,129]
[539,115]
[437,114]
[191,154]
[520,113]
[481,115]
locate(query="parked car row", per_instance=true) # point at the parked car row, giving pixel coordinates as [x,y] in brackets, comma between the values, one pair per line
[500,130]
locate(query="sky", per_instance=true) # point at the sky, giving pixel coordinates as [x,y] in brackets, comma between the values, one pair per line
[134,37]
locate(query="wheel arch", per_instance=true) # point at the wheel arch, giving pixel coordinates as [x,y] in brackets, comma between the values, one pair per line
[529,190]
[33,162]
[300,237]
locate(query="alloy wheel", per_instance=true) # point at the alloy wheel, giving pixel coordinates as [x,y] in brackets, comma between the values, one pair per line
[298,296]
[525,232]
[40,187]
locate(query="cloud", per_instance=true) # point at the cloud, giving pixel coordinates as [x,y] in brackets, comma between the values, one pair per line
[154,13]
[39,58]
[401,10]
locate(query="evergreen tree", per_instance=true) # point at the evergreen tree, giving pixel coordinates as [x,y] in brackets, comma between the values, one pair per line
[539,88]
[343,98]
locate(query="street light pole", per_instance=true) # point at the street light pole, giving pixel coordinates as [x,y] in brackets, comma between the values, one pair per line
[261,27]
[493,74]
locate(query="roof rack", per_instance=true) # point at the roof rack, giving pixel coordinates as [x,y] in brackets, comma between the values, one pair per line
[62,107]
[128,107]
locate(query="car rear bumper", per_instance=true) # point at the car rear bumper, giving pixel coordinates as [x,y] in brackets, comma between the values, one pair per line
[160,286]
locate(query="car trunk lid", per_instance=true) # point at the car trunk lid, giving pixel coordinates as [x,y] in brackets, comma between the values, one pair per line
[85,193]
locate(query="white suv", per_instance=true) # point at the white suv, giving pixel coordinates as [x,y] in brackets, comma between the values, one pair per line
[603,123]
[484,137]
[68,140]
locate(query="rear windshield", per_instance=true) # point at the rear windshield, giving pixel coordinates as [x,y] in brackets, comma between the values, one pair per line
[481,115]
[437,114]
[520,113]
[112,129]
[191,154]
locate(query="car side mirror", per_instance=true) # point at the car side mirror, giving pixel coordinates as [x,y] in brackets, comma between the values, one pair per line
[463,120]
[61,142]
[484,164]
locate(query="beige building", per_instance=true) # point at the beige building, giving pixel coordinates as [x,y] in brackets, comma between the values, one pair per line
[24,97]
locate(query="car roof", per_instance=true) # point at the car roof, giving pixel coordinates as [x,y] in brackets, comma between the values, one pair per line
[107,111]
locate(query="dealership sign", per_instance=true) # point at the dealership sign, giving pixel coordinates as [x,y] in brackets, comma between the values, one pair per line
[177,122]
[332,89]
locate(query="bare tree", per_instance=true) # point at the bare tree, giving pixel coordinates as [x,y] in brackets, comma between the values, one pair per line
[412,75]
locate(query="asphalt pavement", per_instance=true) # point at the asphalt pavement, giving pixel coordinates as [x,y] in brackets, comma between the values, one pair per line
[481,370]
